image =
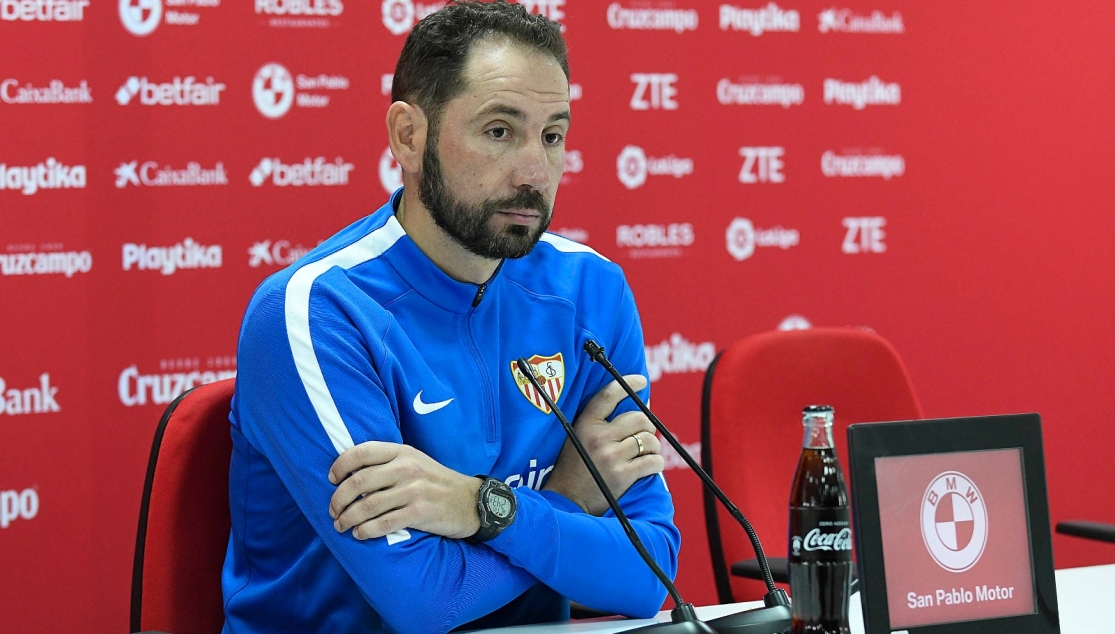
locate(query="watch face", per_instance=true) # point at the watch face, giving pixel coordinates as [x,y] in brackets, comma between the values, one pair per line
[499,504]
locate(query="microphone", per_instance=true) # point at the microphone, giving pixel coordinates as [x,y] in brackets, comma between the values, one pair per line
[683,617]
[776,615]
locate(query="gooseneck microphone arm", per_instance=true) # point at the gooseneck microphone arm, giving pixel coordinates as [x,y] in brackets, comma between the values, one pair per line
[775,600]
[683,614]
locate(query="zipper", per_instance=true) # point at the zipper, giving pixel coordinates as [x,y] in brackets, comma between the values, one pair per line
[479,294]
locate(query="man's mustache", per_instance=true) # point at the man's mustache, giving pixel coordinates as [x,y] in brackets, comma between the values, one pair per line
[524,199]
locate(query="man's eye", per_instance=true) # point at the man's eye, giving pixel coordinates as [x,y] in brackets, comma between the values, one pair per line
[553,138]
[499,133]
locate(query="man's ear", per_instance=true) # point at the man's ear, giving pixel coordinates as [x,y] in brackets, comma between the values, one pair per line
[406,134]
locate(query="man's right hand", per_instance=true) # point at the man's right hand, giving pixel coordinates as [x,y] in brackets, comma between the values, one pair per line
[612,446]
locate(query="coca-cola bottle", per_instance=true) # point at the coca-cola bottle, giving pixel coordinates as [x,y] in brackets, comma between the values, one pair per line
[820,533]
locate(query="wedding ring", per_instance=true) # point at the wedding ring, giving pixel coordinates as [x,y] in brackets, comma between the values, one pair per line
[640,442]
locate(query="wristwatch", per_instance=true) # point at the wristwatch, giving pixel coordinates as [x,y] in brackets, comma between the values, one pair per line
[495,504]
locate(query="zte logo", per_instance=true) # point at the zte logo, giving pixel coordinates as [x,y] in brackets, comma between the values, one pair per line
[865,235]
[654,91]
[552,9]
[17,505]
[762,165]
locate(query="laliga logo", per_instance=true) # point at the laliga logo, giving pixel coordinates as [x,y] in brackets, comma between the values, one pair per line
[954,521]
[741,239]
[140,17]
[390,174]
[398,16]
[273,90]
[631,167]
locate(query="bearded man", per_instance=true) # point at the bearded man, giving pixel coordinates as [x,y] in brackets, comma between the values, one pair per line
[392,470]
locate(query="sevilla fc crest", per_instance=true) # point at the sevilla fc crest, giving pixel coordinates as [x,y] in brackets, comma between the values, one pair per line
[551,376]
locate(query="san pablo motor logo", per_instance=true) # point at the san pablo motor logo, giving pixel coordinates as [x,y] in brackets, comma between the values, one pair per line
[954,521]
[550,372]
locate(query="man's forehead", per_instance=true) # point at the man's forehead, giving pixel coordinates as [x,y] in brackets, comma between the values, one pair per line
[496,67]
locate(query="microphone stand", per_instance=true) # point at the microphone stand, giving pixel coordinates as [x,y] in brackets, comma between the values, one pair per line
[776,615]
[683,616]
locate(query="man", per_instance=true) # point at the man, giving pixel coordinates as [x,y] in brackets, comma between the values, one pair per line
[391,469]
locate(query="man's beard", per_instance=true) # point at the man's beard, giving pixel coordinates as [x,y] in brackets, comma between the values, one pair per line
[469,225]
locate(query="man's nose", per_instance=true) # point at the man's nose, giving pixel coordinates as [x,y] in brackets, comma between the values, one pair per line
[532,167]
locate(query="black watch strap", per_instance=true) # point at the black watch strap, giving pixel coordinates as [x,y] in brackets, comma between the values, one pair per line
[496,506]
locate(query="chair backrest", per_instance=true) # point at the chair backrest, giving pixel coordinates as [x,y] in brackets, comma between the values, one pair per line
[751,428]
[184,518]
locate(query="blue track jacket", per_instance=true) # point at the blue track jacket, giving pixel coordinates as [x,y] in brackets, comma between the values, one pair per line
[366,339]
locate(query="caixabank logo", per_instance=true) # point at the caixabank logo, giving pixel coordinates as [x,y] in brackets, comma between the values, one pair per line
[36,399]
[400,16]
[142,17]
[954,521]
[152,174]
[847,21]
[14,91]
[275,253]
[43,10]
[275,90]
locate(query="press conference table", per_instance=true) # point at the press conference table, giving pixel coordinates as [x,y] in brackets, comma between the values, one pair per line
[1085,596]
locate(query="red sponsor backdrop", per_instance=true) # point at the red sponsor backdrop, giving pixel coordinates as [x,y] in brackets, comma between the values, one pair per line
[936,172]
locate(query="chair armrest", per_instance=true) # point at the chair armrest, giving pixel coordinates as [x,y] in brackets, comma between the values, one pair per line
[780,570]
[749,568]
[1088,530]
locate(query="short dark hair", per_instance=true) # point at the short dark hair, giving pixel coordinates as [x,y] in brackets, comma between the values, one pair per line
[430,70]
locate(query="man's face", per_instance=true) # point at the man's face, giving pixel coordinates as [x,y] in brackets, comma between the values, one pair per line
[491,170]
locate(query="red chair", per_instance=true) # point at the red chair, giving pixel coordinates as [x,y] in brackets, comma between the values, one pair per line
[751,430]
[184,518]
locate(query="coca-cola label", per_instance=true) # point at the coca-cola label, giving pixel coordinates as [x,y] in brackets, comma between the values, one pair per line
[820,535]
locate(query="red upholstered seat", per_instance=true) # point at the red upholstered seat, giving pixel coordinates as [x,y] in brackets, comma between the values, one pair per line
[751,426]
[184,519]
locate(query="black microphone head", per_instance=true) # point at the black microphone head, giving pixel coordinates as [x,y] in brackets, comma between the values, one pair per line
[594,350]
[524,367]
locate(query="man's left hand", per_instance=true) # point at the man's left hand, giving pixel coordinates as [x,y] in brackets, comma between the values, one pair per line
[385,487]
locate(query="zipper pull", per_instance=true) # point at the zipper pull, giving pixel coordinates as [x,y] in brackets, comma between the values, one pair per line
[479,295]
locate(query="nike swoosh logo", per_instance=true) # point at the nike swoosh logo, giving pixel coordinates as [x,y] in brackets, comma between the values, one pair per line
[427,408]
